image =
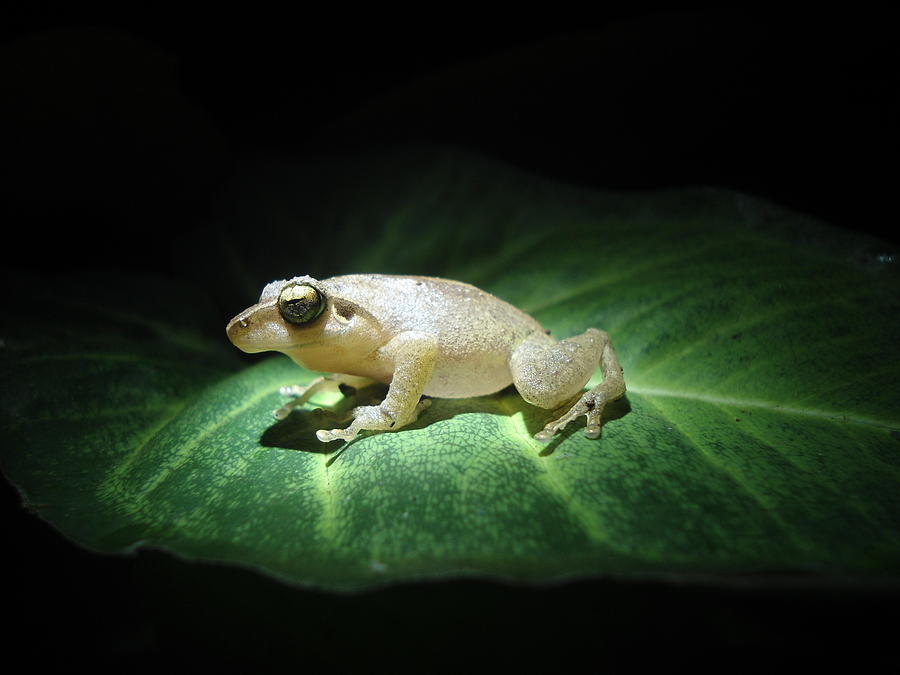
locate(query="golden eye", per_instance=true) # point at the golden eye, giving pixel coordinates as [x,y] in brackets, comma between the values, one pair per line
[300,303]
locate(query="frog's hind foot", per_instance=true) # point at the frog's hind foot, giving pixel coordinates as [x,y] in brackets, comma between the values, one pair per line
[547,373]
[590,405]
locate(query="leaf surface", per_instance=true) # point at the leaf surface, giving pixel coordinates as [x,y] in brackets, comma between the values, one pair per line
[761,430]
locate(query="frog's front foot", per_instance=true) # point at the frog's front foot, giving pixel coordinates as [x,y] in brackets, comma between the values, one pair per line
[326,435]
[371,417]
[364,417]
[302,393]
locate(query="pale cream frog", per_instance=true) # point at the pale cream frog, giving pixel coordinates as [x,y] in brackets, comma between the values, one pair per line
[423,335]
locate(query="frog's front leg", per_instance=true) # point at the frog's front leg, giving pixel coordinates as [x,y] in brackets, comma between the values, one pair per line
[302,394]
[413,355]
[549,374]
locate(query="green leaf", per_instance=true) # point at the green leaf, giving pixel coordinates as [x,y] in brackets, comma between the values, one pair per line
[760,433]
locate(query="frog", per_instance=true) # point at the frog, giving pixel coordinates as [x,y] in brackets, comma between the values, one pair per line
[424,337]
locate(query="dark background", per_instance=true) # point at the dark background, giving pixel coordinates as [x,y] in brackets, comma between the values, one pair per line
[118,131]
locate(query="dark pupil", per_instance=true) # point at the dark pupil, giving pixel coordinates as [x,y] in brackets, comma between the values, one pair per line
[296,307]
[299,310]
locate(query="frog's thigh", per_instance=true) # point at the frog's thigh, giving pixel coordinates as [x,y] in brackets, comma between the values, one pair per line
[548,373]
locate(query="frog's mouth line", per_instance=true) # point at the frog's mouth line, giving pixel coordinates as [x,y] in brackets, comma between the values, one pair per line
[253,349]
[307,344]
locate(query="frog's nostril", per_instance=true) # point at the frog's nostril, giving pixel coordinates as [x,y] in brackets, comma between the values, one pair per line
[235,328]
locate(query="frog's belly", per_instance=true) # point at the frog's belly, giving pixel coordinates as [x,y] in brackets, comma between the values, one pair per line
[455,380]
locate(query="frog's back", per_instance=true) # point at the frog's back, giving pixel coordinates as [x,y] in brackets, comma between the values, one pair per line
[475,330]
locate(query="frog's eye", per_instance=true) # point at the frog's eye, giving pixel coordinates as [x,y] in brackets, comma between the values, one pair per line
[299,303]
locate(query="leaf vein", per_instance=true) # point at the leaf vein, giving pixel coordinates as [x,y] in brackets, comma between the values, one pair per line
[650,392]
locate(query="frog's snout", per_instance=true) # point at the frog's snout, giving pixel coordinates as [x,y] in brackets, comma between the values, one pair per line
[259,329]
[250,333]
[237,331]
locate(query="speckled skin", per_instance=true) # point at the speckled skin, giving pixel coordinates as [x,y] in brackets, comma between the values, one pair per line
[430,336]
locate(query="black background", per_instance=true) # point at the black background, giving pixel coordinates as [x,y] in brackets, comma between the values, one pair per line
[118,129]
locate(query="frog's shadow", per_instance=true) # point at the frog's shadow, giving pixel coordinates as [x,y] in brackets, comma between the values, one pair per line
[298,430]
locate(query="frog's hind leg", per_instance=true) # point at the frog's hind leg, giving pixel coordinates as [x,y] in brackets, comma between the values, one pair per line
[302,394]
[550,374]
